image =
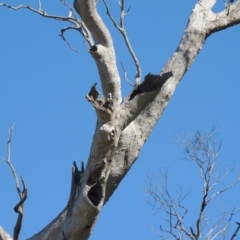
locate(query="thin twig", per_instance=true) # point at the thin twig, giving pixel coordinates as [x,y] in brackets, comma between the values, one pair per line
[236,232]
[83,29]
[19,208]
[223,190]
[39,5]
[40,12]
[202,149]
[125,74]
[71,19]
[70,8]
[64,39]
[175,210]
[122,30]
[8,159]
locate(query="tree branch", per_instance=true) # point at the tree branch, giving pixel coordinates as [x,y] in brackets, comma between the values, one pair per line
[41,13]
[103,51]
[142,95]
[4,235]
[79,25]
[195,34]
[125,74]
[122,30]
[236,232]
[223,190]
[174,209]
[63,30]
[19,208]
[117,143]
[201,150]
[227,18]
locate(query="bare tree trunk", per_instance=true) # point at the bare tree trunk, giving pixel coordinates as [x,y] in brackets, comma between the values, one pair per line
[123,126]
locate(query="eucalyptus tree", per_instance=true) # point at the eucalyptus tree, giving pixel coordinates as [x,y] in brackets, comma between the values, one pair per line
[123,124]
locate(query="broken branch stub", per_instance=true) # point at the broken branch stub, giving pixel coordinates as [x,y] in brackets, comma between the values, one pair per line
[141,96]
[151,83]
[102,106]
[132,106]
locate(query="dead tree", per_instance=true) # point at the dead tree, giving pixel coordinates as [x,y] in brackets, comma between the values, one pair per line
[123,123]
[203,150]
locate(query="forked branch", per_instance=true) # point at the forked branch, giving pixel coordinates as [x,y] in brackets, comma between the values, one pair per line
[161,200]
[19,208]
[63,30]
[123,31]
[227,18]
[203,150]
[103,51]
[72,19]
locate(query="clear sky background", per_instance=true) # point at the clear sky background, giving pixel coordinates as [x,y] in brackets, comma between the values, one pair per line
[42,90]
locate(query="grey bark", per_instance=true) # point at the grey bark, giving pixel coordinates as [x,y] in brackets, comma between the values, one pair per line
[4,235]
[123,126]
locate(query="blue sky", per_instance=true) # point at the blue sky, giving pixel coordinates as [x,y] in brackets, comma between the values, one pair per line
[43,88]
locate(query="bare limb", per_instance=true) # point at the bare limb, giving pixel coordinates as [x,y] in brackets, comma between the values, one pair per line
[224,189]
[83,29]
[39,5]
[70,8]
[64,39]
[79,25]
[220,228]
[19,208]
[103,51]
[192,41]
[125,74]
[40,12]
[202,149]
[122,30]
[4,235]
[175,210]
[236,232]
[142,95]
[227,18]
[8,160]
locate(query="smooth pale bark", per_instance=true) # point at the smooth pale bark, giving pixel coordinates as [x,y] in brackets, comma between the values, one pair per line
[123,126]
[202,23]
[4,235]
[103,51]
